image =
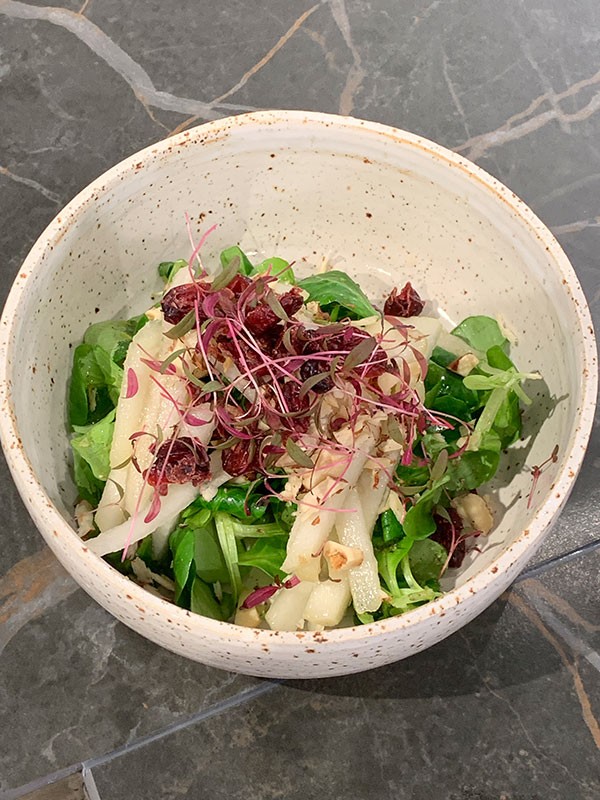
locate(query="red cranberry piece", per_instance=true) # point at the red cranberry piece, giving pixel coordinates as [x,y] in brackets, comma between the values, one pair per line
[238,284]
[182,460]
[296,405]
[405,303]
[238,459]
[292,301]
[302,340]
[314,367]
[249,358]
[344,340]
[261,320]
[291,393]
[180,300]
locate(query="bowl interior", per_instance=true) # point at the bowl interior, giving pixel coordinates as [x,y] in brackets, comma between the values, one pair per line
[384,207]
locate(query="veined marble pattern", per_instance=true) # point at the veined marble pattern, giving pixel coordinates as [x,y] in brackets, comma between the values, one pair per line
[509,707]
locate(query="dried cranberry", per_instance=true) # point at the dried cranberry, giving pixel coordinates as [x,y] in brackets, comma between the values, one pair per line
[344,340]
[182,460]
[261,319]
[292,301]
[271,342]
[448,533]
[238,284]
[298,408]
[299,339]
[180,300]
[291,393]
[314,367]
[238,459]
[249,358]
[407,303]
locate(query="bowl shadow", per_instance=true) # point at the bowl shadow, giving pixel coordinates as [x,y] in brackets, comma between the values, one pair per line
[495,650]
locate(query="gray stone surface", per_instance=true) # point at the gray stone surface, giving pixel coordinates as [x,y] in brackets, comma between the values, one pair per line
[514,86]
[75,683]
[503,709]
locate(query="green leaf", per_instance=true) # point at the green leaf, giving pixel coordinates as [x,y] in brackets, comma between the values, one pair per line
[446,404]
[481,333]
[426,559]
[232,500]
[391,529]
[86,378]
[278,268]
[507,422]
[113,337]
[97,374]
[230,254]
[92,444]
[208,556]
[228,544]
[116,561]
[337,287]
[365,619]
[413,594]
[433,443]
[442,357]
[266,554]
[418,522]
[471,469]
[183,557]
[168,269]
[204,602]
[284,514]
[113,374]
[200,519]
[138,323]
[88,486]
[144,550]
[256,530]
[497,358]
[388,561]
[412,475]
[227,274]
[95,384]
[440,383]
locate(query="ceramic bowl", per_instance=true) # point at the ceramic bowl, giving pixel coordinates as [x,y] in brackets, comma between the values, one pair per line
[383,204]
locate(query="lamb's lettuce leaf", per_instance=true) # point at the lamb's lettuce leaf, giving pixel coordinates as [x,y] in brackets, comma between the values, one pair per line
[335,287]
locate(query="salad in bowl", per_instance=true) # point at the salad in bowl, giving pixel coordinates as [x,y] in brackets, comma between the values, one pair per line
[283,453]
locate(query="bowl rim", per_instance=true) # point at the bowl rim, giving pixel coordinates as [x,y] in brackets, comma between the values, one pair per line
[49,520]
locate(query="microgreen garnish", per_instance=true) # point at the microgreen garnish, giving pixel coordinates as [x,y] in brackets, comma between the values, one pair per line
[536,473]
[182,327]
[298,455]
[227,274]
[299,421]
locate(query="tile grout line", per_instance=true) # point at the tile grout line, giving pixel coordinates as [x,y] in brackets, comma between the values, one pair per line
[563,558]
[89,785]
[86,766]
[238,699]
[569,637]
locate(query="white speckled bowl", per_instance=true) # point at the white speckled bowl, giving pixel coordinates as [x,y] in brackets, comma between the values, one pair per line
[389,206]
